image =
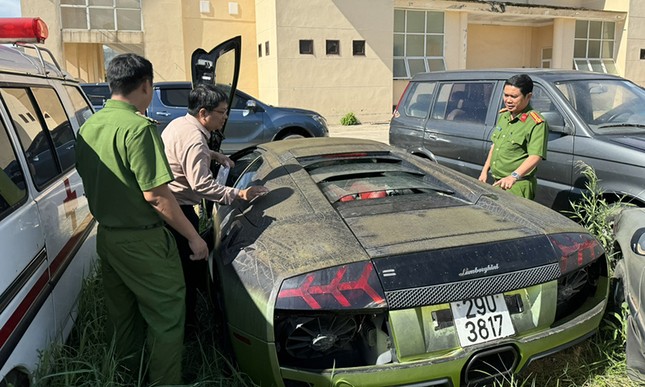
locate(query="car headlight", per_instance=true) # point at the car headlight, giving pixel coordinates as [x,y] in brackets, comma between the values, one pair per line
[320,119]
[638,241]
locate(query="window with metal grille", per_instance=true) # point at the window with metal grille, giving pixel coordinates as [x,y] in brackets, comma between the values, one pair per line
[418,42]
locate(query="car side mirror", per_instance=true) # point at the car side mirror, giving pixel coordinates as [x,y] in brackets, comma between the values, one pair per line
[251,106]
[556,122]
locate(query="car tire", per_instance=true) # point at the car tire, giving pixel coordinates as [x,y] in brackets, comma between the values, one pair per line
[292,136]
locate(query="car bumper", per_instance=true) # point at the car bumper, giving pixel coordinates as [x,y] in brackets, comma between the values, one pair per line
[432,369]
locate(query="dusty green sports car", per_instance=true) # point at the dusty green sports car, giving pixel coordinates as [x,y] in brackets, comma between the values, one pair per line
[367,266]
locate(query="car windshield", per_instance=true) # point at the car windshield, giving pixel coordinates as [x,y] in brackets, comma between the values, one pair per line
[608,106]
[350,177]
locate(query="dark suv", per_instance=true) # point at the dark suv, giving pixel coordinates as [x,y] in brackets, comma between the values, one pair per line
[250,121]
[598,119]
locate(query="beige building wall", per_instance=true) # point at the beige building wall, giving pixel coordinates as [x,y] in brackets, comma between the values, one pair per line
[632,44]
[499,46]
[267,31]
[85,61]
[335,85]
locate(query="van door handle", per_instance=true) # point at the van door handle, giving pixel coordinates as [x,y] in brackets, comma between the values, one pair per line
[164,114]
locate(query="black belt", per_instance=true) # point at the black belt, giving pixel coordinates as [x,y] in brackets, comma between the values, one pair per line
[146,227]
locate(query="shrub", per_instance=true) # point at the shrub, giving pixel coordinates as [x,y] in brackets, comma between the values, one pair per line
[349,119]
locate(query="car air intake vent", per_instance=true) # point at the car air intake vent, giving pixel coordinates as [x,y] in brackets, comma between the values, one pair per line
[478,287]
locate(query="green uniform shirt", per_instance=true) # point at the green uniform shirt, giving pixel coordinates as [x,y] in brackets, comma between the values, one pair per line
[515,140]
[119,154]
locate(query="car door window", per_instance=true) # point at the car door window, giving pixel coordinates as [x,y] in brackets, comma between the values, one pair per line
[463,101]
[82,111]
[175,97]
[419,99]
[12,180]
[247,178]
[239,102]
[542,102]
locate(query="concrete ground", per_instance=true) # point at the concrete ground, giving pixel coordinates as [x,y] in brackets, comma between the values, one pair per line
[372,131]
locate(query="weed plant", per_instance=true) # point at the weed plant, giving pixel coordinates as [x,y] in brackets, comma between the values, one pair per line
[349,119]
[88,358]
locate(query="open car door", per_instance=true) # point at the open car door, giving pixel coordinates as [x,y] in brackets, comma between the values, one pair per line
[221,67]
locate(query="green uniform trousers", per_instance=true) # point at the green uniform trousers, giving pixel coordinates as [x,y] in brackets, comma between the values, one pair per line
[144,288]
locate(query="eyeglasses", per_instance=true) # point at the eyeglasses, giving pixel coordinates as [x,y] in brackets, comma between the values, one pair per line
[219,111]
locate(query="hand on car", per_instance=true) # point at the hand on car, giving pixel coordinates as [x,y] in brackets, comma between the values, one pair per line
[505,183]
[253,192]
[222,159]
[199,248]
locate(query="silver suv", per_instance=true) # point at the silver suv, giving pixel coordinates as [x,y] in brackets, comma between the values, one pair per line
[598,119]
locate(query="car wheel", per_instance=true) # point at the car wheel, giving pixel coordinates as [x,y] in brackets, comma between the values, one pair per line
[292,136]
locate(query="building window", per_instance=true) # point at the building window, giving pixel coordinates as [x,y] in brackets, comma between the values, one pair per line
[418,42]
[358,47]
[111,15]
[266,48]
[307,47]
[260,50]
[332,47]
[593,48]
[547,55]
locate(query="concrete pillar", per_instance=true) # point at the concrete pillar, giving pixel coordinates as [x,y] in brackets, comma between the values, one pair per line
[563,38]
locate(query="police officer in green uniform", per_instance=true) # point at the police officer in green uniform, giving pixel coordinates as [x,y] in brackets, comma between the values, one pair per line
[519,141]
[120,157]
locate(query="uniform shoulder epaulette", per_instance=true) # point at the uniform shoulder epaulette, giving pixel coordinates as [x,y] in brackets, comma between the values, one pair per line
[152,120]
[503,110]
[536,117]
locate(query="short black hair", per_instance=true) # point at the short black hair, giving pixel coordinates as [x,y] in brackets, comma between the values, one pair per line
[522,82]
[126,72]
[205,95]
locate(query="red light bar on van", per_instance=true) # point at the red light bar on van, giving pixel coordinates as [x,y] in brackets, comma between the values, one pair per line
[23,29]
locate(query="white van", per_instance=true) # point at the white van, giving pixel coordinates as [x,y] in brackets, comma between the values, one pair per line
[46,231]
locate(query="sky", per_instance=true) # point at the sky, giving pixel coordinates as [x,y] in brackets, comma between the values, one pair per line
[9,8]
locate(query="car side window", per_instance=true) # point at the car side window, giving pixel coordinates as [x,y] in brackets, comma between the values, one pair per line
[543,103]
[12,180]
[247,177]
[175,97]
[35,139]
[239,102]
[419,99]
[463,101]
[82,111]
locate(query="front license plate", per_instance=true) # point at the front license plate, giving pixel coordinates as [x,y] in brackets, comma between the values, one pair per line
[483,319]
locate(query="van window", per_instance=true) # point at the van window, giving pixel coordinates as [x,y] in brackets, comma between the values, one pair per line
[174,97]
[44,163]
[12,180]
[82,111]
[58,125]
[463,101]
[419,99]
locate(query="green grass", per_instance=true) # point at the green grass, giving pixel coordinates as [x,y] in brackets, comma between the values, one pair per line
[88,359]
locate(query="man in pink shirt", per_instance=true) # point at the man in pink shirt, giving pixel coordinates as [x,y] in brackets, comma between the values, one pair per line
[186,146]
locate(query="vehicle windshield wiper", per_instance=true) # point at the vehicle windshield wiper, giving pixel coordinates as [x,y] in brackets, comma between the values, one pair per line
[621,125]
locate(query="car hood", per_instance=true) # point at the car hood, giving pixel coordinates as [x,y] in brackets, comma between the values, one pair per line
[399,228]
[289,110]
[636,141]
